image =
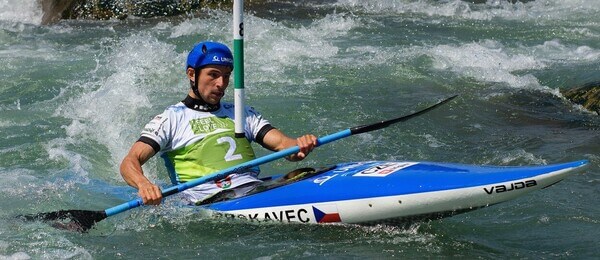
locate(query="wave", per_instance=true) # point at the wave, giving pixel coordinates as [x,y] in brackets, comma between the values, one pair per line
[30,11]
[488,10]
[21,11]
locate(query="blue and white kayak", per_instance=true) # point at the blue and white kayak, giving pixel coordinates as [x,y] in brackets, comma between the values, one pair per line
[390,192]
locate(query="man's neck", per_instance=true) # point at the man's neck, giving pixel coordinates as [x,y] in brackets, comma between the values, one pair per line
[199,104]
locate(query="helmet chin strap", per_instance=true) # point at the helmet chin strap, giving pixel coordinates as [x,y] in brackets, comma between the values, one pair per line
[194,84]
[199,103]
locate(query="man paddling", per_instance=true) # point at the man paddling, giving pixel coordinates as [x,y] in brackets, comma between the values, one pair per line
[195,137]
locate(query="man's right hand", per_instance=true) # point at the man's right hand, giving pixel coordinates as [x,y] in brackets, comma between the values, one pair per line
[150,194]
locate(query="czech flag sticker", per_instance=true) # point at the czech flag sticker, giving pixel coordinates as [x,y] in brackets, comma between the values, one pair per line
[327,214]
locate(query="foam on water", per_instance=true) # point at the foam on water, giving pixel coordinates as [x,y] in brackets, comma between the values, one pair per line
[50,245]
[272,48]
[214,25]
[554,51]
[508,158]
[489,61]
[12,181]
[137,67]
[16,256]
[281,46]
[21,11]
[546,10]
[57,150]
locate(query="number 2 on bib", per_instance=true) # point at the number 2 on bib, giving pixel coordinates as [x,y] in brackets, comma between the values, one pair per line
[230,156]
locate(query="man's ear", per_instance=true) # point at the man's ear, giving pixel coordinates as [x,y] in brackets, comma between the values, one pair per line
[190,73]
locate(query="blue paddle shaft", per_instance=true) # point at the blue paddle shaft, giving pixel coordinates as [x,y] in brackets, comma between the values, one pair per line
[224,173]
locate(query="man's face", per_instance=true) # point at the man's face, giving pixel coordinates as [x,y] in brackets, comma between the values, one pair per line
[212,82]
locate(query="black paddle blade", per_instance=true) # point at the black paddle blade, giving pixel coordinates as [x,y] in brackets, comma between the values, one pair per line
[379,125]
[72,220]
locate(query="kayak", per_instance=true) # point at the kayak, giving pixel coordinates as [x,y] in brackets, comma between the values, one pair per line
[389,192]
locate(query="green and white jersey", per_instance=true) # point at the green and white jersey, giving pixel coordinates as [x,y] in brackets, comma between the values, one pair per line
[195,141]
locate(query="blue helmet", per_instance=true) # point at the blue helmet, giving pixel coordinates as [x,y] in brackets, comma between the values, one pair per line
[210,53]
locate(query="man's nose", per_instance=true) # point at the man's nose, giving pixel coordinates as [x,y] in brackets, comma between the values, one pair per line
[221,82]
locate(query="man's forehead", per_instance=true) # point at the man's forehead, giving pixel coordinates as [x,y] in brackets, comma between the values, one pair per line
[220,68]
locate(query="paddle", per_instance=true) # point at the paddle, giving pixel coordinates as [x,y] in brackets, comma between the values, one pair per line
[83,220]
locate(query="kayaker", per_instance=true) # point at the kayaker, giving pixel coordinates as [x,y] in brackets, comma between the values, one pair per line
[195,137]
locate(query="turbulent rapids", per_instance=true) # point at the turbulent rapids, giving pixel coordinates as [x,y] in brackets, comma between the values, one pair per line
[76,93]
[587,95]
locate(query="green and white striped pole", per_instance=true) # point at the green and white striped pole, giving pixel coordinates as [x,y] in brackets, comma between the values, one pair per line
[238,64]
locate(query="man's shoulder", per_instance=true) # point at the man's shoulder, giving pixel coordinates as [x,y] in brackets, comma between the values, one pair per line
[177,107]
[175,110]
[226,106]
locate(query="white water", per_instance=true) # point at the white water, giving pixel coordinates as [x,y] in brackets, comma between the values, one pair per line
[77,94]
[21,11]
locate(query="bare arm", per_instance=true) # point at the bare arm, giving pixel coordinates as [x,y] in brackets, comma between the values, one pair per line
[276,140]
[131,170]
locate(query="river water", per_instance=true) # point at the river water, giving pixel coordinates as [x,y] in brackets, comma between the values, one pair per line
[75,95]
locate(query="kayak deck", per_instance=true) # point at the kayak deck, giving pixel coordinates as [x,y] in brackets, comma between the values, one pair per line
[374,192]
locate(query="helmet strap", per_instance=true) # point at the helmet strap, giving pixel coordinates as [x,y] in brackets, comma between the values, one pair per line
[198,103]
[194,84]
